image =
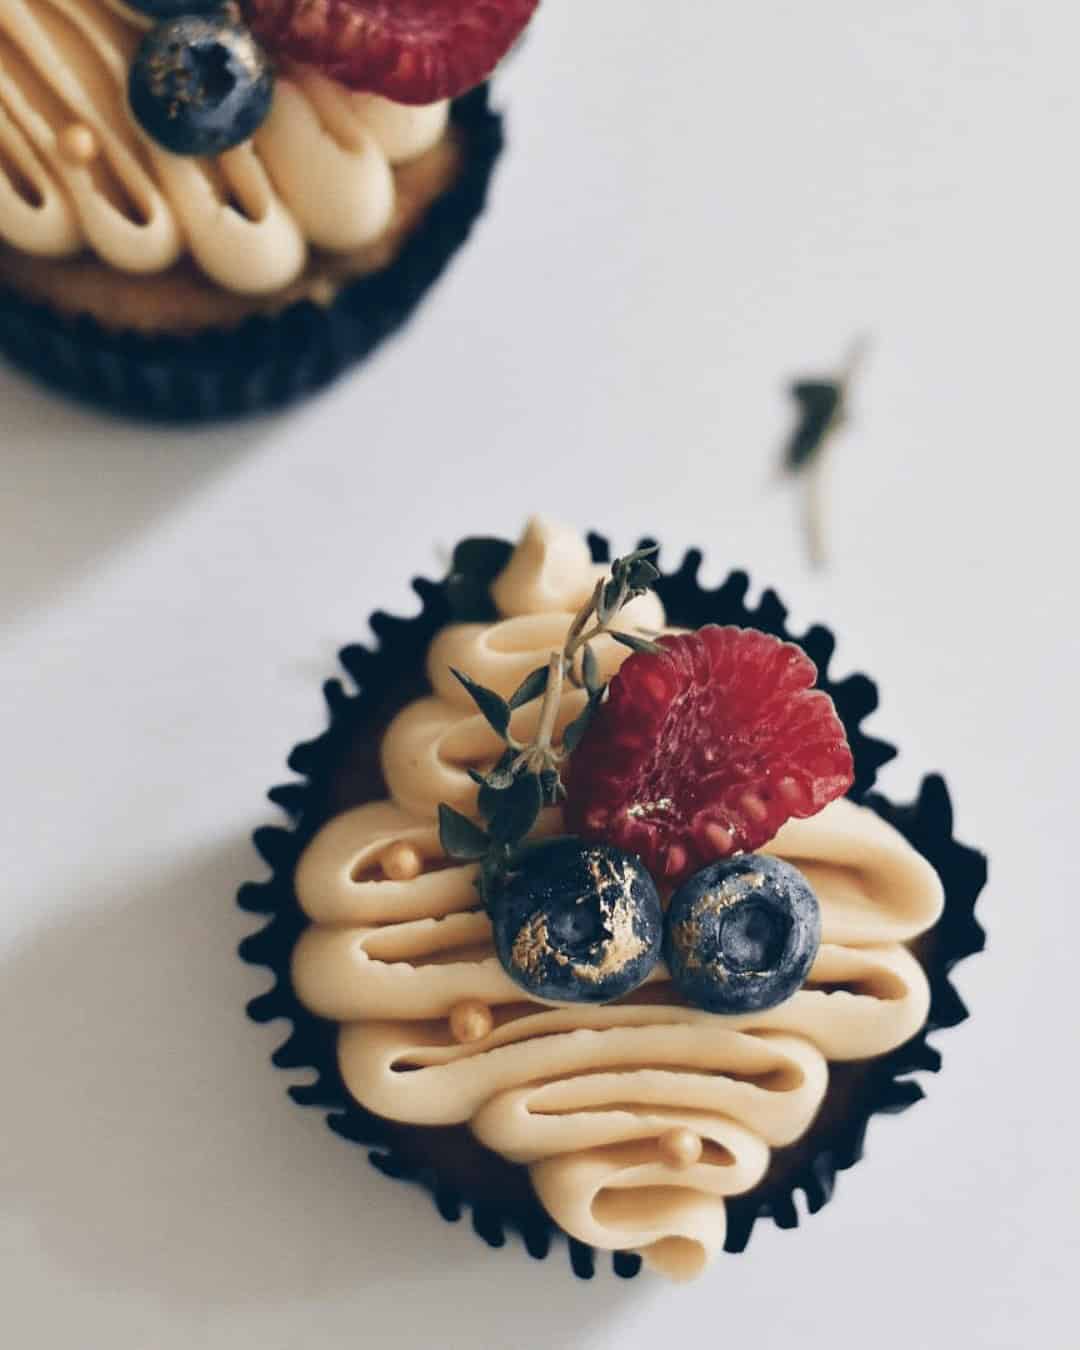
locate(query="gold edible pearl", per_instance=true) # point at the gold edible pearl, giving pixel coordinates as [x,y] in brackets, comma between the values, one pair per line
[470,1021]
[78,144]
[322,292]
[680,1148]
[401,862]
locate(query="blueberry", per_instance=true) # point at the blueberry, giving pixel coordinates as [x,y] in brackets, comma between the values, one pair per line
[742,934]
[577,923]
[200,85]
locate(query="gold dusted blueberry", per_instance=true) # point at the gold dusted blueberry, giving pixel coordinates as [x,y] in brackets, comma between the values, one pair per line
[200,85]
[742,934]
[577,923]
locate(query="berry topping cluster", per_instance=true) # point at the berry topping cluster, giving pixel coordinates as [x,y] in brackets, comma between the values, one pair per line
[202,80]
[696,753]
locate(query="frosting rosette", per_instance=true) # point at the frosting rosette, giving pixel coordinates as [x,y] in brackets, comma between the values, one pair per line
[393,938]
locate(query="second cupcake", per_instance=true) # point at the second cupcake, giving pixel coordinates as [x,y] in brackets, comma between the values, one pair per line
[210,208]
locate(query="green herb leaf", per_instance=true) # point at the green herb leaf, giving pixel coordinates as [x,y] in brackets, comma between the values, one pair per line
[494,707]
[495,784]
[460,838]
[611,599]
[819,405]
[500,777]
[642,574]
[590,669]
[531,687]
[638,644]
[578,727]
[491,875]
[638,554]
[517,809]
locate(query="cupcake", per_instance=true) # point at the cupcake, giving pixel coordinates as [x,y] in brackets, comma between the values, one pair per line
[208,208]
[589,919]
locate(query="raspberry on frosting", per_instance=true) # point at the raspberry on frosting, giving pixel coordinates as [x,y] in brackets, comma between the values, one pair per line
[705,748]
[412,51]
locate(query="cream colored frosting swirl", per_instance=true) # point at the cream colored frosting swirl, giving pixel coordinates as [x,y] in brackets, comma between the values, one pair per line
[316,175]
[583,1095]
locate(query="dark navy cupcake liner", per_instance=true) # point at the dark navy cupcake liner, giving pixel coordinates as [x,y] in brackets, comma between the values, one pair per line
[266,362]
[882,1086]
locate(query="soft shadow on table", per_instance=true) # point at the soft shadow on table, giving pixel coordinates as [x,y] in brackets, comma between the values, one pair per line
[75,484]
[150,1146]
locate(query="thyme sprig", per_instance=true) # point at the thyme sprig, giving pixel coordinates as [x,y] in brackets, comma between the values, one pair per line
[528,775]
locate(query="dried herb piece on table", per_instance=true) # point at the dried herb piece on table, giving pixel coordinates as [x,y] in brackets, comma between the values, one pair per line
[823,407]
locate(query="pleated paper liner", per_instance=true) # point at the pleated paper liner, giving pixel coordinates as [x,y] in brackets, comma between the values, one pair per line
[340,769]
[267,362]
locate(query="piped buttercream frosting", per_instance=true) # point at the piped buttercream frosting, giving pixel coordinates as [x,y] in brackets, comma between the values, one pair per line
[318,175]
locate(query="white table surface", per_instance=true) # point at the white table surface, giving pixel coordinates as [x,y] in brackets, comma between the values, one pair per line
[701,200]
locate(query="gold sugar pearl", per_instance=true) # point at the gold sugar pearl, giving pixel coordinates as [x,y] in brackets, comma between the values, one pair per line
[322,292]
[680,1148]
[401,862]
[78,144]
[470,1021]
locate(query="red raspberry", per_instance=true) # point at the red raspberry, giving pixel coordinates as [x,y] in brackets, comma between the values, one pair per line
[412,51]
[705,749]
